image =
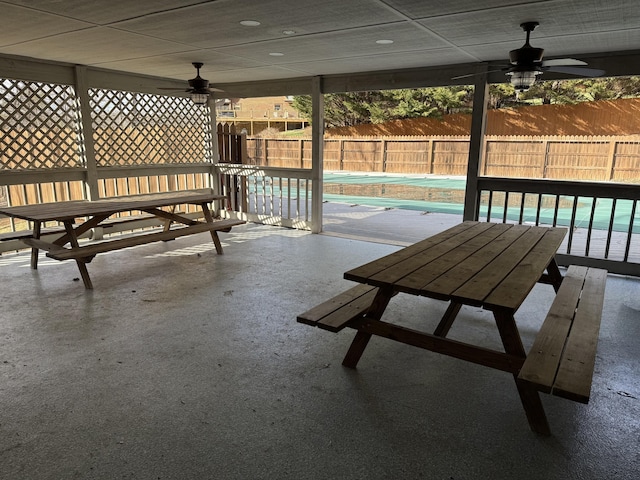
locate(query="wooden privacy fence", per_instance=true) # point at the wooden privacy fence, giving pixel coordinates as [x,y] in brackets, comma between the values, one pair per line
[603,158]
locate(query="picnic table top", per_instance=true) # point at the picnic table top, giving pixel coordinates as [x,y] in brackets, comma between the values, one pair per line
[492,265]
[68,210]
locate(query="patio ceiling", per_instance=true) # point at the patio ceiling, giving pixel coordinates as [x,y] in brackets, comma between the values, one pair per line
[308,37]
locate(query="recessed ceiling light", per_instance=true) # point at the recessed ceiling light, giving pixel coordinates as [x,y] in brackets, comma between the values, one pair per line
[250,23]
[288,32]
[384,42]
[276,54]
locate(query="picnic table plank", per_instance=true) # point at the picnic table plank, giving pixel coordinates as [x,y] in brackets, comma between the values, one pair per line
[549,343]
[459,275]
[575,374]
[479,285]
[363,272]
[460,247]
[514,288]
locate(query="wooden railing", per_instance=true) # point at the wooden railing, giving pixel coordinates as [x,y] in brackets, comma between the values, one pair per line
[268,195]
[603,219]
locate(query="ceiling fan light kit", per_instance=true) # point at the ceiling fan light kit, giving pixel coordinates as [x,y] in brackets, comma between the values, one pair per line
[200,98]
[523,80]
[526,64]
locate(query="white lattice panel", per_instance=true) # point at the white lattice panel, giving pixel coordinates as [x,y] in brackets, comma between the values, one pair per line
[142,129]
[39,126]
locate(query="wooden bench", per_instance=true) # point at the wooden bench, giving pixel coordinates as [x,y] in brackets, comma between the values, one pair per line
[337,312]
[20,234]
[562,358]
[87,252]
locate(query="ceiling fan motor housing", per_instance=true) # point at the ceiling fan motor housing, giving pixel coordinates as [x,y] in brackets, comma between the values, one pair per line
[199,84]
[526,55]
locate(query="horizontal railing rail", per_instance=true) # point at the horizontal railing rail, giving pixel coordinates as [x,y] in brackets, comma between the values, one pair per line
[603,219]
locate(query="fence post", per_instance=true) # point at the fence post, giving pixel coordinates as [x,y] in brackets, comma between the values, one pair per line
[301,152]
[545,160]
[265,158]
[340,154]
[613,147]
[384,154]
[430,160]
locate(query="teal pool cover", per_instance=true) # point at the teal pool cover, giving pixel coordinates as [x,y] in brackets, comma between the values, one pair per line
[446,195]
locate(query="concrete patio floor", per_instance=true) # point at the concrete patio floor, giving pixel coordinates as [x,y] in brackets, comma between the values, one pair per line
[183,364]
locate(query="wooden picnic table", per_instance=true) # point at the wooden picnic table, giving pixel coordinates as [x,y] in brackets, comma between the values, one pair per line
[488,265]
[493,266]
[81,216]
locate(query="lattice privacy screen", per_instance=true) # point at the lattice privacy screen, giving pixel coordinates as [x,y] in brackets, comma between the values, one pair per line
[142,129]
[39,125]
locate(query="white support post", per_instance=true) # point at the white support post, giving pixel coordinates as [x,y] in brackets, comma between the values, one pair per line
[317,148]
[478,124]
[215,155]
[82,91]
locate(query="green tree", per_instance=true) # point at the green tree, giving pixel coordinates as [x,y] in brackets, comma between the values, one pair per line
[355,108]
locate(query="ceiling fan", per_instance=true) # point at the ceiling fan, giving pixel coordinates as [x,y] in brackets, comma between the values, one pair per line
[526,64]
[198,87]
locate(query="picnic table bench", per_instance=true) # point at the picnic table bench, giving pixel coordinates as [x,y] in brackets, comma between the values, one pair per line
[494,266]
[562,358]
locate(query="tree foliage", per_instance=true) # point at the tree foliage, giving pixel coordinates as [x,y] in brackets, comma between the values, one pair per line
[356,108]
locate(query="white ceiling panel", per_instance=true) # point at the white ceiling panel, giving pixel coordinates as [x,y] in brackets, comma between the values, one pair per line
[100,12]
[218,23]
[421,9]
[352,43]
[390,61]
[163,37]
[18,24]
[94,46]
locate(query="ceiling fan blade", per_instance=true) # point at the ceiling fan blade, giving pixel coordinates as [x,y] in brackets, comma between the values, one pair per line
[173,89]
[579,71]
[213,89]
[475,74]
[562,62]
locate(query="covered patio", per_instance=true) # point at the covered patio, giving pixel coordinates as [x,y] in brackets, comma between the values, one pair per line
[186,364]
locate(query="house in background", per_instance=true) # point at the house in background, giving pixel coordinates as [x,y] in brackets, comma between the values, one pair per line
[260,113]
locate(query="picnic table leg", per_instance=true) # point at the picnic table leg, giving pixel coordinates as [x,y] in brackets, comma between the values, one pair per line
[34,250]
[361,339]
[554,274]
[447,319]
[73,241]
[529,396]
[214,235]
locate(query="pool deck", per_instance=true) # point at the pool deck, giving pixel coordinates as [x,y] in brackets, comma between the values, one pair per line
[402,227]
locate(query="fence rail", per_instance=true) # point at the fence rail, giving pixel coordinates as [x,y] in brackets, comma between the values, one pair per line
[553,157]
